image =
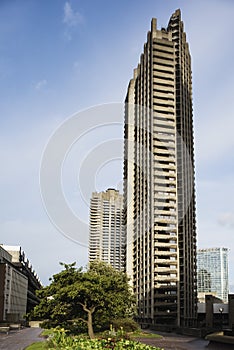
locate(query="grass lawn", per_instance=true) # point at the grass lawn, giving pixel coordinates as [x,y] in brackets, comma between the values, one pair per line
[40,345]
[142,334]
[36,346]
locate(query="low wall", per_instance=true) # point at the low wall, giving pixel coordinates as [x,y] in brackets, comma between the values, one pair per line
[34,324]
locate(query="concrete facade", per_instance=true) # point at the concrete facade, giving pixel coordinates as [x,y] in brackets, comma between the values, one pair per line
[231,311]
[106,233]
[18,284]
[214,315]
[13,290]
[159,194]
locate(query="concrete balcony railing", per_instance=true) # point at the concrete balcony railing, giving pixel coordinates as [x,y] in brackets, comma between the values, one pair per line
[165,74]
[164,136]
[158,181]
[167,314]
[163,151]
[166,286]
[165,80]
[164,173]
[168,90]
[165,270]
[166,245]
[165,296]
[166,279]
[165,195]
[165,48]
[166,228]
[165,204]
[165,188]
[163,95]
[159,253]
[158,103]
[166,236]
[164,129]
[164,303]
[165,156]
[168,210]
[165,215]
[166,166]
[164,122]
[165,220]
[165,261]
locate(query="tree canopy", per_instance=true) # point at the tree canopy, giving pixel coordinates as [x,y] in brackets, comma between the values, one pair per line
[93,297]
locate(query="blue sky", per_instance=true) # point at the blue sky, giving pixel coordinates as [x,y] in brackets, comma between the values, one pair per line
[60,57]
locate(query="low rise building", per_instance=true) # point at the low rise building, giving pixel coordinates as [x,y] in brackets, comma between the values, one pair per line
[18,284]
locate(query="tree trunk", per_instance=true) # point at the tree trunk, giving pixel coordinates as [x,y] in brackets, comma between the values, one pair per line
[90,325]
[90,319]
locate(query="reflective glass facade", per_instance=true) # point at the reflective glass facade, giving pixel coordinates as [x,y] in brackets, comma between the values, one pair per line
[212,268]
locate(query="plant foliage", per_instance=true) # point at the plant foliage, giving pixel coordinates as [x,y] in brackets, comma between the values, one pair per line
[61,341]
[77,299]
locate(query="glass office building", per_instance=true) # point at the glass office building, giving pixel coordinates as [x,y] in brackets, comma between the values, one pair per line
[212,272]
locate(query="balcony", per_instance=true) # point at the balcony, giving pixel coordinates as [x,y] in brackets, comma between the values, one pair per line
[166,221]
[164,304]
[164,245]
[159,181]
[162,278]
[158,285]
[167,313]
[165,204]
[165,212]
[165,296]
[165,228]
[165,253]
[165,261]
[166,166]
[165,270]
[166,237]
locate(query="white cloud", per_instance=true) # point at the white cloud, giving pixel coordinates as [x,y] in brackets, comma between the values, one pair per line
[71,17]
[227,219]
[41,84]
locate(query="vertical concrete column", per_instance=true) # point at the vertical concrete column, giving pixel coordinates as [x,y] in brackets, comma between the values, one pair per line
[209,311]
[231,310]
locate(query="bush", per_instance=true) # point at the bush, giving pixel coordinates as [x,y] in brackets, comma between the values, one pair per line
[127,324]
[72,327]
[60,340]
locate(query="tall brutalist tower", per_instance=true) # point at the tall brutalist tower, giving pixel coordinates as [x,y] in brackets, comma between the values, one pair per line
[106,230]
[159,191]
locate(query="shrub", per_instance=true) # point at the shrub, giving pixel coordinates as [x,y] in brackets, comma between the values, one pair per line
[60,340]
[127,324]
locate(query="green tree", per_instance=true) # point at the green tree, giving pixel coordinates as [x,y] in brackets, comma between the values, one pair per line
[95,296]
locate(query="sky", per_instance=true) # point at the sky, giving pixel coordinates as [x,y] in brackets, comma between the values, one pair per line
[59,59]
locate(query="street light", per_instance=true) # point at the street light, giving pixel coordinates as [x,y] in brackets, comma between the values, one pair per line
[141,319]
[221,313]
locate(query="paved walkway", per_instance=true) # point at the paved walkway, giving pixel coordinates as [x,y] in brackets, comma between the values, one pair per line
[171,341]
[20,339]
